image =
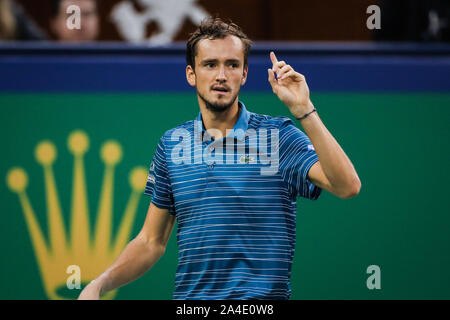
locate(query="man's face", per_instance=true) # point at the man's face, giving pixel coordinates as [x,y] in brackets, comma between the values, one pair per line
[89,22]
[219,72]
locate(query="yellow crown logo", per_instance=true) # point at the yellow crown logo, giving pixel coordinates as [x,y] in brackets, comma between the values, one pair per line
[93,254]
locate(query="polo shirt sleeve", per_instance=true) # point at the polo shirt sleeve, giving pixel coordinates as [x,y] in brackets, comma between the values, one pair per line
[158,182]
[296,156]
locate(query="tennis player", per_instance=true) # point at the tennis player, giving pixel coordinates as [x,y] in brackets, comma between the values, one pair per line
[231,179]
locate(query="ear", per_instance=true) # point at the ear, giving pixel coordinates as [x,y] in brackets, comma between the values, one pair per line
[190,76]
[244,75]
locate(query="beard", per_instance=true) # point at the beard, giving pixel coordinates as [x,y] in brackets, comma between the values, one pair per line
[217,107]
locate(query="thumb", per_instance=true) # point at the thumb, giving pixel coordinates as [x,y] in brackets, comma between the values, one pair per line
[272,80]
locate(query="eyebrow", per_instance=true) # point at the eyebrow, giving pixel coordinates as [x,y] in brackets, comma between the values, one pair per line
[216,60]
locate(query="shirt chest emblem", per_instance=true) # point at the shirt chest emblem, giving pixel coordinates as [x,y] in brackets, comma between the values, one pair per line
[245,159]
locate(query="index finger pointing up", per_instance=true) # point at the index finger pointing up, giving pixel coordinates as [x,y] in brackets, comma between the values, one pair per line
[274,59]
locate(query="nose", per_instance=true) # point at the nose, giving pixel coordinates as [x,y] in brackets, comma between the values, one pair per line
[221,76]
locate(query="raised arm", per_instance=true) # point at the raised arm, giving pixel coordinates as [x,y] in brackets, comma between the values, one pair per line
[334,171]
[137,257]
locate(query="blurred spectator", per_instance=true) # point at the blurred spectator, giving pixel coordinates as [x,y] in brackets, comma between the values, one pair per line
[16,25]
[414,20]
[90,21]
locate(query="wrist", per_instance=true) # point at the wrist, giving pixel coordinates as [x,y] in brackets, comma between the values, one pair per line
[307,114]
[96,286]
[100,284]
[301,111]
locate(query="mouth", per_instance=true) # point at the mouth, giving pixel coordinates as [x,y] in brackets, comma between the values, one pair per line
[220,90]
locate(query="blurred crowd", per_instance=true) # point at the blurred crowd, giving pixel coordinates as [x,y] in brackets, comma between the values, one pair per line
[16,25]
[414,21]
[401,20]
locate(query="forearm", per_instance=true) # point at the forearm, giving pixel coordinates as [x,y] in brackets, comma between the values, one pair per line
[334,162]
[336,173]
[136,259]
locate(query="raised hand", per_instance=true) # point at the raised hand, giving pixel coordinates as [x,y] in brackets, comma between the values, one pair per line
[290,87]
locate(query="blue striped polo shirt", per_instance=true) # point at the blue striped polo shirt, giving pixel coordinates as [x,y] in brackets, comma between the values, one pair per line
[234,199]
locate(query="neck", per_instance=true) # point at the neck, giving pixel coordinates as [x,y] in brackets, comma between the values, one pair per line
[219,121]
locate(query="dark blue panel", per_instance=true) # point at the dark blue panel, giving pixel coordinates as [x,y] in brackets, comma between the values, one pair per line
[114,68]
[93,74]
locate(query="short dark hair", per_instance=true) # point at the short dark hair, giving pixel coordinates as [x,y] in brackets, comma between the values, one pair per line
[215,28]
[56,6]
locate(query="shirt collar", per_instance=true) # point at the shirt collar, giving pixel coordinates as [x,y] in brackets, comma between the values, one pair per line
[241,123]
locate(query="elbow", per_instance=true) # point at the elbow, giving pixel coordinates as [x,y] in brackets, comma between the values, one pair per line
[157,248]
[351,190]
[154,245]
[161,249]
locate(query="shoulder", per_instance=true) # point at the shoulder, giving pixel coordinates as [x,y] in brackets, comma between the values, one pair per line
[181,129]
[289,134]
[263,121]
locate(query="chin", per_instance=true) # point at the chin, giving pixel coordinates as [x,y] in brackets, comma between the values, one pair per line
[218,105]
